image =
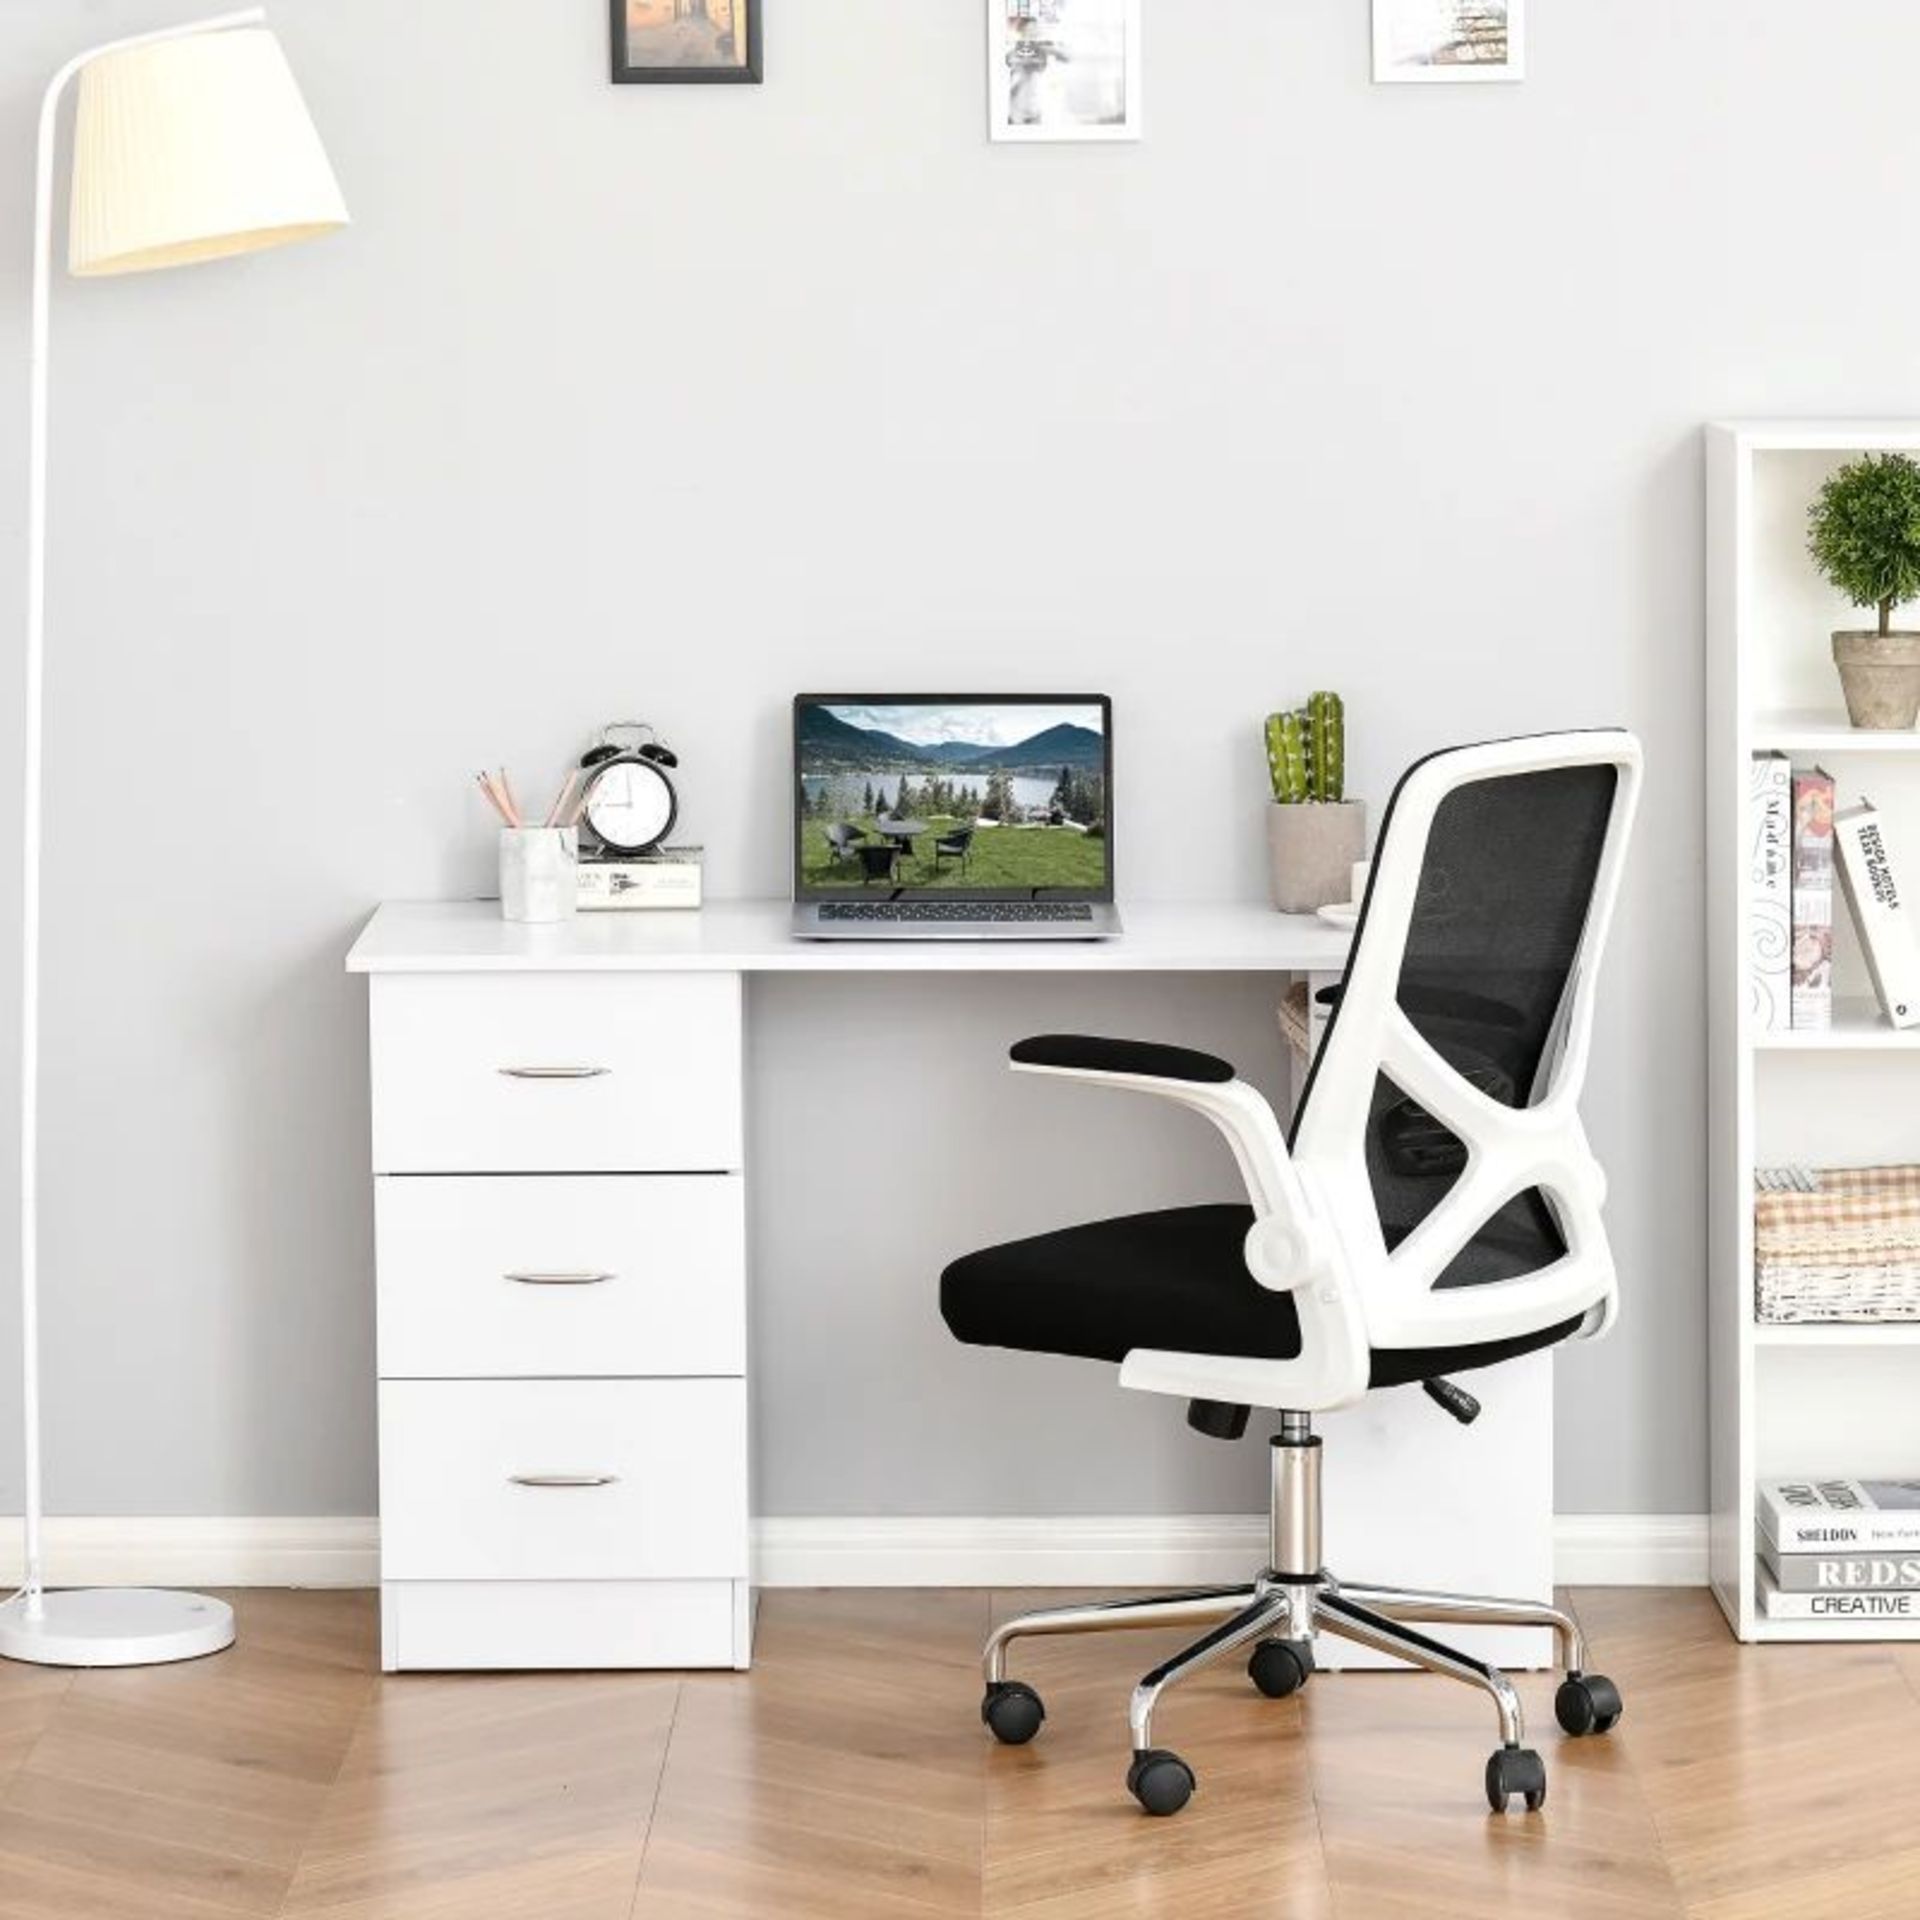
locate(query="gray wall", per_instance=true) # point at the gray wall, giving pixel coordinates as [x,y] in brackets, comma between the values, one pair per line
[671,400]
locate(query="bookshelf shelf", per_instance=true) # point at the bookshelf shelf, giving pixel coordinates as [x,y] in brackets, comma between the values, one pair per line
[1805,1631]
[1823,1400]
[1816,731]
[1883,1334]
[1858,1026]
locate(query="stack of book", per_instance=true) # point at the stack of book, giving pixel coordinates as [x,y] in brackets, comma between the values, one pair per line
[1799,844]
[1839,1549]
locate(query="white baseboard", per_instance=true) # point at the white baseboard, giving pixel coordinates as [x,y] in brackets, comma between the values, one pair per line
[1594,1550]
[1630,1549]
[199,1551]
[1055,1551]
[1597,1550]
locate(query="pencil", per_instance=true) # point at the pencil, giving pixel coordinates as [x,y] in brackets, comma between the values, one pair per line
[556,814]
[513,805]
[493,799]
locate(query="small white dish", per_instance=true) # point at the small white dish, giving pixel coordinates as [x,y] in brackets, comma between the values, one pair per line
[1343,913]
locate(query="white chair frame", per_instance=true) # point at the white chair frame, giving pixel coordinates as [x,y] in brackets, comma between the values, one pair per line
[1316,1234]
[1316,1231]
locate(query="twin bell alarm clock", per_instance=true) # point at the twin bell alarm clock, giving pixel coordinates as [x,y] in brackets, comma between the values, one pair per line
[630,804]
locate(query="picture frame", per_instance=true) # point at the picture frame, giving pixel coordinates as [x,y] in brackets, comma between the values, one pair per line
[1064,70]
[1449,42]
[686,42]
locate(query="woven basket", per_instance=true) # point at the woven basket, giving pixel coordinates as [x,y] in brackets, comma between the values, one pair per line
[1848,1252]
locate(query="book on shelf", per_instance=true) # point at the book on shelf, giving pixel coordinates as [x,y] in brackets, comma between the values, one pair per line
[1770,893]
[1778,1605]
[1870,878]
[1813,899]
[1895,1571]
[1811,1516]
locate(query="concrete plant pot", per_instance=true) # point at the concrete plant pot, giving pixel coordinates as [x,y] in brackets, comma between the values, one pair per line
[1311,849]
[1880,675]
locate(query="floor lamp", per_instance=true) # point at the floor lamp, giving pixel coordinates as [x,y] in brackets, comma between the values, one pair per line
[189,144]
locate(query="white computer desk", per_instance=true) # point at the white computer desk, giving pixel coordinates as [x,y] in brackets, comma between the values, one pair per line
[561,1204]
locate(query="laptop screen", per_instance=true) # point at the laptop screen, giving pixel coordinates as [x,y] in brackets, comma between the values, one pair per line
[981,796]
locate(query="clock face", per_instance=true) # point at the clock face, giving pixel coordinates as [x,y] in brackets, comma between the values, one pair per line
[631,806]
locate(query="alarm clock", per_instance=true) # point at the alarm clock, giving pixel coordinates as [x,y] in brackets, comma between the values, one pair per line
[628,805]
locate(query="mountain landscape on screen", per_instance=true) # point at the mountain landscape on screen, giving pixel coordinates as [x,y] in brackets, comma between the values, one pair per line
[829,744]
[979,794]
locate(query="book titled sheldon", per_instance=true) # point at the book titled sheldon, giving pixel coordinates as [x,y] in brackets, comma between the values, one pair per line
[1815,1516]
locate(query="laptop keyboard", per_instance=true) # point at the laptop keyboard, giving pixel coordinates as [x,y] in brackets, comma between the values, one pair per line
[989,911]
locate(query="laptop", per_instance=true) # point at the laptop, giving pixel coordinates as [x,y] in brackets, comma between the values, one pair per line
[953,817]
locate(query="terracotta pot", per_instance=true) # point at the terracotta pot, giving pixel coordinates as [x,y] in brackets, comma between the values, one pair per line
[1880,675]
[1312,849]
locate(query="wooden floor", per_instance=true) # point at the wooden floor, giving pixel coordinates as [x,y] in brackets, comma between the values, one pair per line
[848,1776]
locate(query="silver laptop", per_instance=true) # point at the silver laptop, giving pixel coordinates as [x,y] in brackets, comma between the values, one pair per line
[953,817]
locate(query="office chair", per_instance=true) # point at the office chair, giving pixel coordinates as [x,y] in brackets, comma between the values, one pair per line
[1436,1209]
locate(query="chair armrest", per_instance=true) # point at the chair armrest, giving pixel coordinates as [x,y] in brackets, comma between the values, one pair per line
[1147,1059]
[1285,1249]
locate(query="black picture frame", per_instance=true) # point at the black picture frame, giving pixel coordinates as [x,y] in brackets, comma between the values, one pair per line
[625,74]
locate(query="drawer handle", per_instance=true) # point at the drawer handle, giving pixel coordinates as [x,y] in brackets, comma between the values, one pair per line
[556,1073]
[563,1479]
[560,1279]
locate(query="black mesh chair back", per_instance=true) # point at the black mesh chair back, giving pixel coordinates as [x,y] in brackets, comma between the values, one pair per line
[1483,977]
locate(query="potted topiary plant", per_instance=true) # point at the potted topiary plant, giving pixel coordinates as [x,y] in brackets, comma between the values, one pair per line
[1865,537]
[1314,832]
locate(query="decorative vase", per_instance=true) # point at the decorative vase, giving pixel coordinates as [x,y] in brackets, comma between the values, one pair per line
[1312,848]
[1880,675]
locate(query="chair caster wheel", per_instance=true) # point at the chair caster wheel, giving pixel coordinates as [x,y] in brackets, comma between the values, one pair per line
[1012,1711]
[1516,1770]
[1587,1703]
[1161,1781]
[1280,1667]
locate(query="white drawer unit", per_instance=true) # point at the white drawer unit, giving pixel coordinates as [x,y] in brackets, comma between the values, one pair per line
[560,1238]
[491,1277]
[563,1479]
[548,1074]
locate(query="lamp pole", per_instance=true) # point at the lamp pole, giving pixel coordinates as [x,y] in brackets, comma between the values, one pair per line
[32,1595]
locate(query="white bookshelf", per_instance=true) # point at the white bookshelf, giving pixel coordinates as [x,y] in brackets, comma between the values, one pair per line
[1822,1400]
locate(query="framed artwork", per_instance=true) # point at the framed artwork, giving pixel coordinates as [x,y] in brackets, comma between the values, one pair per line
[675,42]
[1443,41]
[1063,69]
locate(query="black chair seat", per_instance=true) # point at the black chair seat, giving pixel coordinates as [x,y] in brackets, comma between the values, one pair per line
[1175,1280]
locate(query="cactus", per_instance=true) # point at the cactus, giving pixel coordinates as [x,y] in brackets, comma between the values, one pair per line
[1287,758]
[1327,748]
[1307,752]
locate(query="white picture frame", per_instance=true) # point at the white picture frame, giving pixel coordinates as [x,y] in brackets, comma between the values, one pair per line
[1064,70]
[1433,42]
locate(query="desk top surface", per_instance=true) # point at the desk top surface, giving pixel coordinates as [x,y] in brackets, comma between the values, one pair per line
[751,936]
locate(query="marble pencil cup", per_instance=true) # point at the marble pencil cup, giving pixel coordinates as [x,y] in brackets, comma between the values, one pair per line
[1312,848]
[539,873]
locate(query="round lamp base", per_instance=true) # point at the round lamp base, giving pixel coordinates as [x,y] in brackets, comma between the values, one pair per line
[114,1627]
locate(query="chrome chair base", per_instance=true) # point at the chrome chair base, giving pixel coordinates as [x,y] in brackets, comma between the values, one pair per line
[1289,1609]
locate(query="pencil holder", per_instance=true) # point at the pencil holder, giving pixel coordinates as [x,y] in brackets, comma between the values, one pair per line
[539,873]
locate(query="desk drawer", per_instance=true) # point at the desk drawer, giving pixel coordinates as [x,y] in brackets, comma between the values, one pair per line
[563,1479]
[556,1073]
[528,1275]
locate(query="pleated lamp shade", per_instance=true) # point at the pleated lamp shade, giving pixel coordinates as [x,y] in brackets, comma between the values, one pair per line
[195,149]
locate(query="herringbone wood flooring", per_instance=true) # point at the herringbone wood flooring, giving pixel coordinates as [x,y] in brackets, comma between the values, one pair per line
[848,1777]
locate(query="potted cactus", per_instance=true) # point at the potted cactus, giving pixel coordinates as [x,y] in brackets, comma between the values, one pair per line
[1864,535]
[1314,832]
